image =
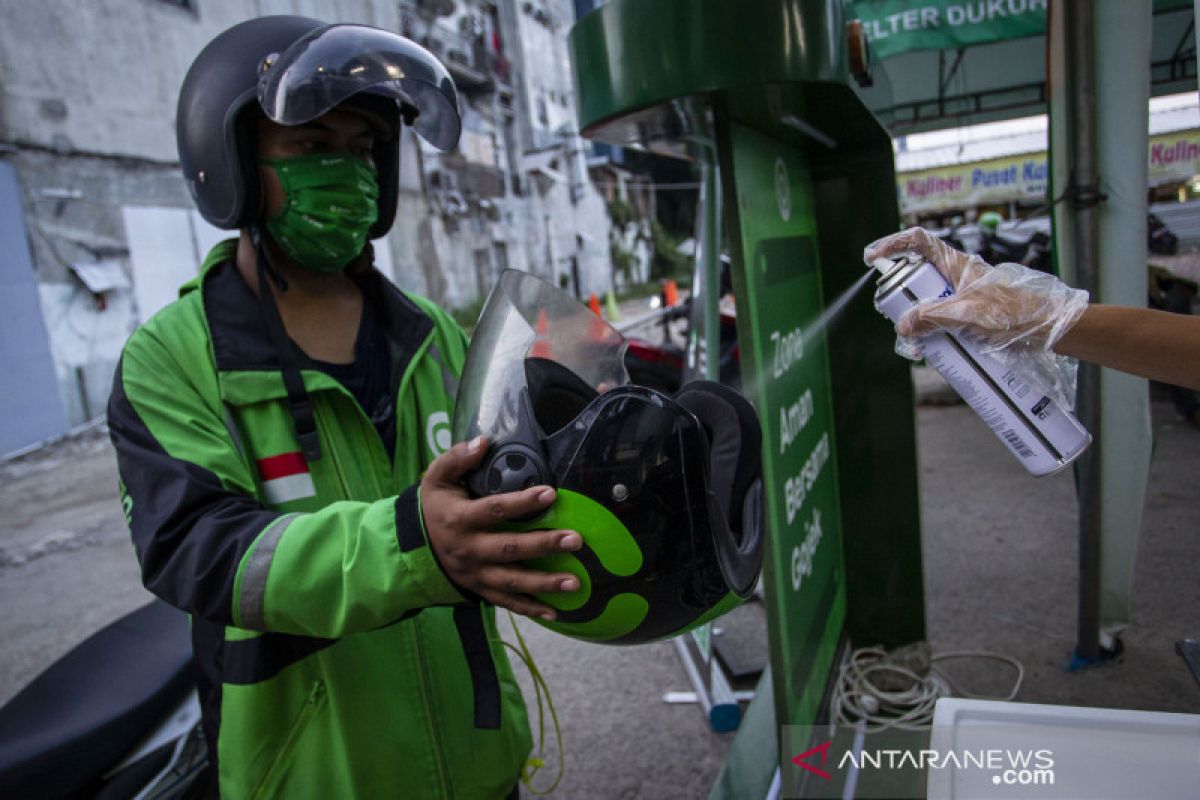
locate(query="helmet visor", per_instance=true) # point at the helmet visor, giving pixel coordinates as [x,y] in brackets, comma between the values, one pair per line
[529,327]
[329,65]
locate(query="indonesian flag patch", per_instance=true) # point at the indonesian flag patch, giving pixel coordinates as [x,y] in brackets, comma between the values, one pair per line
[285,478]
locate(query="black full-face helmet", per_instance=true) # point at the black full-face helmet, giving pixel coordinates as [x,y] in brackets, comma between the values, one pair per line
[666,491]
[294,69]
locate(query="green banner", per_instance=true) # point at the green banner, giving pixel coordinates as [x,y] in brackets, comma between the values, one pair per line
[901,26]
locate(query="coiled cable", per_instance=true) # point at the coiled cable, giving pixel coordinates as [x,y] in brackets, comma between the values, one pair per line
[878,690]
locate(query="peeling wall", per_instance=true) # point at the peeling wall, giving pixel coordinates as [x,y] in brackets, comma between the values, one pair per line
[87,106]
[73,215]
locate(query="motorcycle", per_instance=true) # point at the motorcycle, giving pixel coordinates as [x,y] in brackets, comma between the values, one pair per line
[1036,252]
[1159,238]
[116,717]
[661,365]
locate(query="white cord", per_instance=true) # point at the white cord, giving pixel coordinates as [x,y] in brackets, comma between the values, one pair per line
[857,699]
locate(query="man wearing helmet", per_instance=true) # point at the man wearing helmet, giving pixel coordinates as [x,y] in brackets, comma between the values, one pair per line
[992,248]
[272,427]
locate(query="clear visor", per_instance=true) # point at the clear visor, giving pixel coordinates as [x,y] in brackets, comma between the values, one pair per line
[329,65]
[526,318]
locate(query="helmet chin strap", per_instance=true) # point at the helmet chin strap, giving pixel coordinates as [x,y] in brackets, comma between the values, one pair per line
[299,402]
[263,261]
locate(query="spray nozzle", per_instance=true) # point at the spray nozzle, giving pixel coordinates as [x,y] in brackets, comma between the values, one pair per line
[889,265]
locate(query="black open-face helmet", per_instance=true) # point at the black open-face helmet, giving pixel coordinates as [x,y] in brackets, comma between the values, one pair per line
[666,491]
[294,69]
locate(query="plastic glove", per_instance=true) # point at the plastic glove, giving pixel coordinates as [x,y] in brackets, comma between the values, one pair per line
[1017,314]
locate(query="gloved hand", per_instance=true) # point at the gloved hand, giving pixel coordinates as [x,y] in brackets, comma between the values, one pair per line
[1017,314]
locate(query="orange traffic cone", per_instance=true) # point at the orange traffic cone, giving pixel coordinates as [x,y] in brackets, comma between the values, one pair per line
[541,337]
[598,330]
[670,294]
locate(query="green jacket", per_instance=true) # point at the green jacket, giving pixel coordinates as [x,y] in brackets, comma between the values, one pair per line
[335,658]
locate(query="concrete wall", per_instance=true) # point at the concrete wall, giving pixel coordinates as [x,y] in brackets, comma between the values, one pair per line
[574,222]
[546,78]
[102,76]
[73,204]
[87,107]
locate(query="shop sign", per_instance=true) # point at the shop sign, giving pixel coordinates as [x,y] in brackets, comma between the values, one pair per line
[983,183]
[1171,157]
[1174,156]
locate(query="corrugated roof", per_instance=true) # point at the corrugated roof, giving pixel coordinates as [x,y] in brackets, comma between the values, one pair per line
[971,150]
[968,152]
[1174,119]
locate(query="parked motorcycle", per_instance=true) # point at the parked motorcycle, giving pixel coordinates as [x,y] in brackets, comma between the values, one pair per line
[116,717]
[1159,237]
[660,365]
[1036,252]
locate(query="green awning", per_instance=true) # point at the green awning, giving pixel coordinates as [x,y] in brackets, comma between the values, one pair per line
[902,26]
[985,60]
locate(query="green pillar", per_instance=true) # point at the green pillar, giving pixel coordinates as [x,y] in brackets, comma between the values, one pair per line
[807,179]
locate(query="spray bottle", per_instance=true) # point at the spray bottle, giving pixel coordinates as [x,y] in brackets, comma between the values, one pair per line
[1041,434]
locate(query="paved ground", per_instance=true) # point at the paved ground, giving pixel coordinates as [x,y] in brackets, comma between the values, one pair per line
[1000,561]
[66,564]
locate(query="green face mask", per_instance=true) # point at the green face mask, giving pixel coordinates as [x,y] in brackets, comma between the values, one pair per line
[329,206]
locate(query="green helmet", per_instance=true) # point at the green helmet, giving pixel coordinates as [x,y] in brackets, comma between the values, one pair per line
[989,222]
[666,491]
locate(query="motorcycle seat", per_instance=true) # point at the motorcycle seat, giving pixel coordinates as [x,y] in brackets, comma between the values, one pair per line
[78,718]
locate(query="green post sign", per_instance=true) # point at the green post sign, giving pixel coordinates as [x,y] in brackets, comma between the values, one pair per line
[779,299]
[806,180]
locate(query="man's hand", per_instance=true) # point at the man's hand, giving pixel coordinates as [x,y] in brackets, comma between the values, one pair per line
[478,557]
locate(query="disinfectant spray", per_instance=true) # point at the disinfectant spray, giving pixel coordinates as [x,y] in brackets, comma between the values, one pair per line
[1042,435]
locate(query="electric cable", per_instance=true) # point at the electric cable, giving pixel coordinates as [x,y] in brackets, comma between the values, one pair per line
[535,763]
[859,699]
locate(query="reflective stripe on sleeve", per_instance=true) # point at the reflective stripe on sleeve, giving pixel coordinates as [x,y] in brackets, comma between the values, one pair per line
[252,600]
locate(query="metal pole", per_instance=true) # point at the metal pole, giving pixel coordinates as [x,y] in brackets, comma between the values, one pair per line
[1124,33]
[1080,37]
[704,339]
[703,347]
[712,269]
[712,687]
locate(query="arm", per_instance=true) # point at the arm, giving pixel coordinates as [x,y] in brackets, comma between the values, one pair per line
[1010,304]
[1152,344]
[208,547]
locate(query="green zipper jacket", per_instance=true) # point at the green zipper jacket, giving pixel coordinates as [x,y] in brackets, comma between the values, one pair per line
[335,658]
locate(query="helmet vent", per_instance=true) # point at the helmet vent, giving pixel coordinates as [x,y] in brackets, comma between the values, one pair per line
[511,470]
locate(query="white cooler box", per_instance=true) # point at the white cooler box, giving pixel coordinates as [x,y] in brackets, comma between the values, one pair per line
[989,749]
